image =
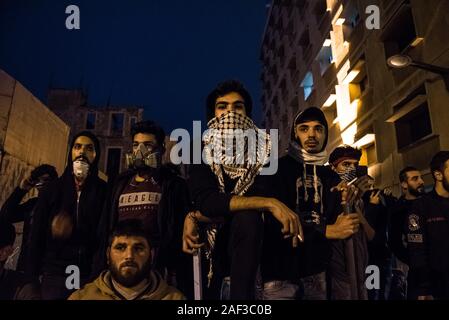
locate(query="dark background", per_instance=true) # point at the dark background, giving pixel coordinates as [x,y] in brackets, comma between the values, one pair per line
[163,55]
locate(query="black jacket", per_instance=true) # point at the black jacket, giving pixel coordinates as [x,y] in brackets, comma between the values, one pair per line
[280,260]
[428,245]
[12,212]
[173,207]
[48,255]
[396,233]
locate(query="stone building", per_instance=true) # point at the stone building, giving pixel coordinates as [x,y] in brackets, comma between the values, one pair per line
[321,53]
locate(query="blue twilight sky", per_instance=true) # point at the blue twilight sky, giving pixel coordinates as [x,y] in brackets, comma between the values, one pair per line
[163,55]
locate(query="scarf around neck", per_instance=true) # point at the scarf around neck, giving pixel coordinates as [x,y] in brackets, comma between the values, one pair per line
[228,150]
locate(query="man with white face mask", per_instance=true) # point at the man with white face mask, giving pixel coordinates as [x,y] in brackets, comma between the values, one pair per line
[64,226]
[154,194]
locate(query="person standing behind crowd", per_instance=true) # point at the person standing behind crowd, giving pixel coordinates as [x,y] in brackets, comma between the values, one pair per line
[412,186]
[377,204]
[64,226]
[14,211]
[428,236]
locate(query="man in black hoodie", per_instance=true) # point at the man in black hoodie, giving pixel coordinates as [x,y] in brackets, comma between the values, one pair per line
[157,196]
[304,184]
[64,226]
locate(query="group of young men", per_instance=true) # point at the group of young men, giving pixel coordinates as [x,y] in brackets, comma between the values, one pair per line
[307,232]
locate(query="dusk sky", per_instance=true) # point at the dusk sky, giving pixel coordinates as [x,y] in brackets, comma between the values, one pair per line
[163,55]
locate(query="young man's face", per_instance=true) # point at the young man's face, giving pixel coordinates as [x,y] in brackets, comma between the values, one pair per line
[230,102]
[148,139]
[414,183]
[84,148]
[129,260]
[346,165]
[311,134]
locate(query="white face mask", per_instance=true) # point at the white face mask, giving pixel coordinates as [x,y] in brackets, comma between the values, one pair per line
[80,169]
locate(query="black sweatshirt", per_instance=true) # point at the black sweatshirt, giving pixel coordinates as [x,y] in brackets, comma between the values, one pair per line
[428,244]
[396,234]
[280,260]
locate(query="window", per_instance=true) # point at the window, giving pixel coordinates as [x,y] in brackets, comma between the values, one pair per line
[414,126]
[90,120]
[325,58]
[307,85]
[117,124]
[113,162]
[399,33]
[352,20]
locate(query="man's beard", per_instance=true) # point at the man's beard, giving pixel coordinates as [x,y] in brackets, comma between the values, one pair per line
[130,280]
[418,192]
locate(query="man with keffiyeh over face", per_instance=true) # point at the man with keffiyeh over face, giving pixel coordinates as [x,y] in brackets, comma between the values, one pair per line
[229,187]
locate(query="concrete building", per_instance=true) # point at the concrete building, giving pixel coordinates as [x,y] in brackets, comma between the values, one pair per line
[321,53]
[110,124]
[30,135]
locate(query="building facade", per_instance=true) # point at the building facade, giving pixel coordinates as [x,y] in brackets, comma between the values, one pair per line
[322,53]
[111,125]
[30,135]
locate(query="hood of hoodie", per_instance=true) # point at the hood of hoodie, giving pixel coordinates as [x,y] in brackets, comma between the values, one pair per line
[157,289]
[310,114]
[93,170]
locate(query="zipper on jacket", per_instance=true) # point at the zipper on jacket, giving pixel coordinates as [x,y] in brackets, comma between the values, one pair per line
[77,223]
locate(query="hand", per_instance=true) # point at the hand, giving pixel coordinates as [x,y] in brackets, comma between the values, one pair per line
[349,193]
[429,297]
[190,237]
[374,198]
[27,184]
[388,192]
[363,184]
[291,226]
[62,226]
[345,226]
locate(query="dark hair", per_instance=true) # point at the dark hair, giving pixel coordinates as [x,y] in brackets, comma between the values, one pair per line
[149,127]
[129,228]
[438,161]
[44,169]
[403,173]
[7,234]
[224,88]
[344,152]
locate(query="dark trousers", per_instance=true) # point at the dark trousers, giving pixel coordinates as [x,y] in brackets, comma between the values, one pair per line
[245,248]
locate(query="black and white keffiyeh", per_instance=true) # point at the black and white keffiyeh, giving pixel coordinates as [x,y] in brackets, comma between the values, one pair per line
[234,146]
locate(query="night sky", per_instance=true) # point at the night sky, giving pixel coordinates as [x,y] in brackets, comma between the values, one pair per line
[163,55]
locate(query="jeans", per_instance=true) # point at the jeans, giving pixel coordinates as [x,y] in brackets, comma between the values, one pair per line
[280,290]
[314,287]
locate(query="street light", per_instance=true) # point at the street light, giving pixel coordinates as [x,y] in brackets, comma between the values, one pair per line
[401,61]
